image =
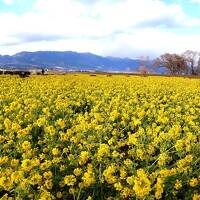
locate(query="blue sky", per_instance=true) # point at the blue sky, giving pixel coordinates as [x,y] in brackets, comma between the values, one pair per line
[125,28]
[17,7]
[190,7]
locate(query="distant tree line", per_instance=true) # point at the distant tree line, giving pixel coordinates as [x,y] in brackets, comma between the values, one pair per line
[186,63]
[22,74]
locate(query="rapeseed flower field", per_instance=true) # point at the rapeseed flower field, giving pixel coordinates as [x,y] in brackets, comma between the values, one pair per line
[97,137]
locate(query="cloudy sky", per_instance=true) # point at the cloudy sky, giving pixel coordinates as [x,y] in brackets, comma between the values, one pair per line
[125,28]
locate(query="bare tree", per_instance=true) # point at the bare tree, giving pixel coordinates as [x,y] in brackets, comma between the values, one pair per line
[192,58]
[174,63]
[198,67]
[143,69]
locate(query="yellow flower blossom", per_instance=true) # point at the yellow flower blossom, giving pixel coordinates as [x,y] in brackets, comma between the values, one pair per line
[70,180]
[142,184]
[103,151]
[82,136]
[84,156]
[109,174]
[196,197]
[48,175]
[178,185]
[55,151]
[193,182]
[77,172]
[26,145]
[159,188]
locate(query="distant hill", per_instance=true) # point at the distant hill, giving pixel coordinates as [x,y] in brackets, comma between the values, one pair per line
[69,60]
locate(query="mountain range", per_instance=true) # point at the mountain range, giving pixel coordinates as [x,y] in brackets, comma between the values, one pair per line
[69,60]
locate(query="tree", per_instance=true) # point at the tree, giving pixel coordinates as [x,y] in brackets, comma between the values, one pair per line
[192,58]
[198,67]
[174,63]
[143,69]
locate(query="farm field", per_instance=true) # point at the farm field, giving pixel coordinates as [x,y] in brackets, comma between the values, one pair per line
[99,137]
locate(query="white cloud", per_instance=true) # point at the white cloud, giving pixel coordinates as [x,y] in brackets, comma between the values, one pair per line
[8,2]
[120,27]
[195,1]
